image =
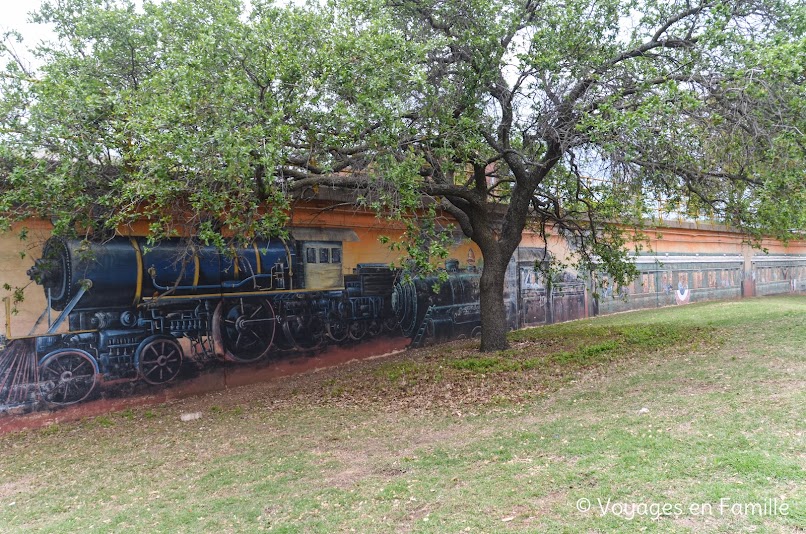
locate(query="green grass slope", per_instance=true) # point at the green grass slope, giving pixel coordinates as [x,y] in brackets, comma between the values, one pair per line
[685,419]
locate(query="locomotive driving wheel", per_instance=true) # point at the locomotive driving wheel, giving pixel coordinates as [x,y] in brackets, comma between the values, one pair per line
[357,330]
[304,330]
[159,359]
[336,327]
[391,324]
[375,328]
[243,329]
[67,376]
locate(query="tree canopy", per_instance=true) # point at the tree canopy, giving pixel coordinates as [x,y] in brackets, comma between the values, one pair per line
[207,116]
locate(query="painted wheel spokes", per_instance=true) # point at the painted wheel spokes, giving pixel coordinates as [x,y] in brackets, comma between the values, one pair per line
[391,324]
[67,376]
[357,330]
[375,327]
[243,329]
[336,327]
[304,331]
[159,359]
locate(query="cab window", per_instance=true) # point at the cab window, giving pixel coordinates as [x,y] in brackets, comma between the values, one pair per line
[335,255]
[324,255]
[310,255]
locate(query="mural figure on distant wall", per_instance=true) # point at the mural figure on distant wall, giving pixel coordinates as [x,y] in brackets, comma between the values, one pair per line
[666,284]
[682,295]
[530,279]
[471,260]
[607,288]
[727,278]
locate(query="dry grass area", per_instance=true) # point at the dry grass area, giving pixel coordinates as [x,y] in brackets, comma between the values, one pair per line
[701,405]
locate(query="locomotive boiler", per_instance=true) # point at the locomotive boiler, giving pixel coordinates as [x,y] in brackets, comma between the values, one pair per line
[126,271]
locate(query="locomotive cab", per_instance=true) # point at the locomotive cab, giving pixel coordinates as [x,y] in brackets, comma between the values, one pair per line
[322,264]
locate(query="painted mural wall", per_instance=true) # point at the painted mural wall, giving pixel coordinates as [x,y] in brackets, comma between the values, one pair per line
[125,312]
[693,262]
[95,316]
[673,279]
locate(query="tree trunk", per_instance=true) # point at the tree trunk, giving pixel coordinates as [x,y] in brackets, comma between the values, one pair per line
[491,297]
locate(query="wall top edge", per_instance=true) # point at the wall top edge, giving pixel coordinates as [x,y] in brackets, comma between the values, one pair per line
[671,258]
[789,258]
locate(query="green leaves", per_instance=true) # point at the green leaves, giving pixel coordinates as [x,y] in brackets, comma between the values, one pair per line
[172,114]
[205,117]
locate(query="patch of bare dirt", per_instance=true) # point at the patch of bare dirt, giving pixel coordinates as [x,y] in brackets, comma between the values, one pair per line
[9,489]
[543,507]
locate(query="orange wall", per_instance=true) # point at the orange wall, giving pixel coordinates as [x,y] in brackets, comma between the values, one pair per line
[711,239]
[678,238]
[16,257]
[369,228]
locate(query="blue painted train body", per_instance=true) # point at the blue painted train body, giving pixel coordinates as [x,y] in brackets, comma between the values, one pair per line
[126,271]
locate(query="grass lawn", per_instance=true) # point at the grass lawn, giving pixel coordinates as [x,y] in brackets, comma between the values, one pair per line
[684,419]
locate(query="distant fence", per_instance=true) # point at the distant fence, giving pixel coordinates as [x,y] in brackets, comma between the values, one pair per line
[666,280]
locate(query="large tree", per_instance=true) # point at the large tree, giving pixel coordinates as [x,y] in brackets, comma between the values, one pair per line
[206,118]
[695,103]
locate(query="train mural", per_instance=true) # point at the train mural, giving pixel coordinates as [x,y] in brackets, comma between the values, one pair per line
[130,311]
[125,311]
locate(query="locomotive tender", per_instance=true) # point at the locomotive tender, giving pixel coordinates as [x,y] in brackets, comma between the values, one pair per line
[128,304]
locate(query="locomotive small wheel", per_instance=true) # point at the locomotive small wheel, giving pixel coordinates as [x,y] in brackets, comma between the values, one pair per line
[305,333]
[243,329]
[476,332]
[159,359]
[337,327]
[67,376]
[375,328]
[357,330]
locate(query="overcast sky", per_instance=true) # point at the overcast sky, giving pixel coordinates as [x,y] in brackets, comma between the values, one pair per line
[14,16]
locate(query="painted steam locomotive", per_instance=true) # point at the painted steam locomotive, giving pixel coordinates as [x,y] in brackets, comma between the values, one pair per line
[128,304]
